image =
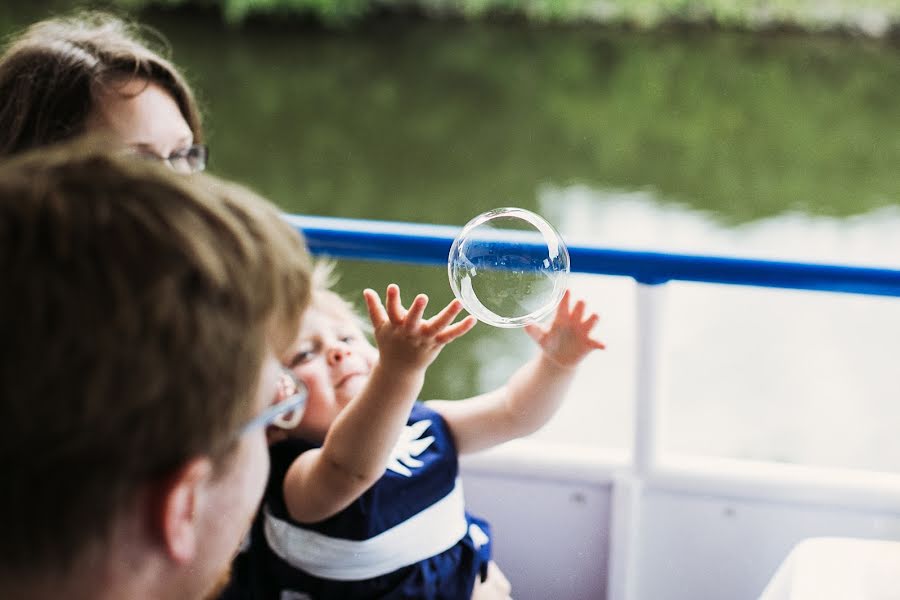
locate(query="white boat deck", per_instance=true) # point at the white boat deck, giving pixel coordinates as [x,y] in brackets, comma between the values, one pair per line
[579,524]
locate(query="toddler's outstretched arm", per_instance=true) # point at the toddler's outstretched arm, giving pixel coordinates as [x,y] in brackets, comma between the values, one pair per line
[324,481]
[534,392]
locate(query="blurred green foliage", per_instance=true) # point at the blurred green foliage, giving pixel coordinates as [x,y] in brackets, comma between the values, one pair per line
[869,16]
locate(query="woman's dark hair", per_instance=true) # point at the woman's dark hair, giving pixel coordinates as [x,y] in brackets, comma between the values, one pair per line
[51,73]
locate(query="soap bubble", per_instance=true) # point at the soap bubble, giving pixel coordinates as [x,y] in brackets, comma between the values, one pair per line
[509,267]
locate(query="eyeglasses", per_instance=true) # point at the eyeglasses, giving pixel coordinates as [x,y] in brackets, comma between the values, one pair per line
[192,159]
[285,412]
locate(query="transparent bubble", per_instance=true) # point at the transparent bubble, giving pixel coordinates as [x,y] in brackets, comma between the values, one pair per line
[509,267]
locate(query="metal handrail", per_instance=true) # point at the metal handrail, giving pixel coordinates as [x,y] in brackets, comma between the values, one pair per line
[430,244]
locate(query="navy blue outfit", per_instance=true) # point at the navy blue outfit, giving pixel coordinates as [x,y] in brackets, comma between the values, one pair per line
[406,537]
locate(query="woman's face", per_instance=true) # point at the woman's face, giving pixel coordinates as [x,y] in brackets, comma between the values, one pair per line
[142,116]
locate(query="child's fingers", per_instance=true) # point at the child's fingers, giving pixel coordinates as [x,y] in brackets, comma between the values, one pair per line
[454,331]
[586,328]
[535,332]
[578,311]
[376,311]
[443,318]
[591,321]
[395,311]
[562,309]
[416,310]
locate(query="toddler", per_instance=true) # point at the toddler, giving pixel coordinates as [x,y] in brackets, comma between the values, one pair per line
[364,498]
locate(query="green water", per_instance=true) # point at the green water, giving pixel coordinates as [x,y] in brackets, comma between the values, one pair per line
[437,122]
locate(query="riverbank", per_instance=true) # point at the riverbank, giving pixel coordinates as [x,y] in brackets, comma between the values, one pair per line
[872,18]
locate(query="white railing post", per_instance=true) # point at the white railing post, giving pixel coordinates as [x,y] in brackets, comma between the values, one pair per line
[650,304]
[628,489]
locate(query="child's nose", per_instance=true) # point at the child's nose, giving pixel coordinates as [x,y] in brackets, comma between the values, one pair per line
[337,353]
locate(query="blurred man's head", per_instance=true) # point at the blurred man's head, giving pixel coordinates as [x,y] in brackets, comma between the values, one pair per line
[141,315]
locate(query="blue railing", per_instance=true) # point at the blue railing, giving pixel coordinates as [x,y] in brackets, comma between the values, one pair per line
[430,245]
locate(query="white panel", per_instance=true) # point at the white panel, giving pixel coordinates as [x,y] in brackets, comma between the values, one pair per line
[697,547]
[551,538]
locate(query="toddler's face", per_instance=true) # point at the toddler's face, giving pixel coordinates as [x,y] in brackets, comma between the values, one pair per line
[333,359]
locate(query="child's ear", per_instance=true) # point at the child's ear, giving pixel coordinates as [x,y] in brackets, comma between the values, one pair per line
[179,504]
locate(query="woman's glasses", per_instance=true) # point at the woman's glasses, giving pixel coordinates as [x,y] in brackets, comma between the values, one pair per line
[287,410]
[192,159]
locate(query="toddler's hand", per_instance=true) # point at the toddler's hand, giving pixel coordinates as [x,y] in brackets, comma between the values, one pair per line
[567,340]
[404,339]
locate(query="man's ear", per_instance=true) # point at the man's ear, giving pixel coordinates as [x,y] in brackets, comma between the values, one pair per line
[176,513]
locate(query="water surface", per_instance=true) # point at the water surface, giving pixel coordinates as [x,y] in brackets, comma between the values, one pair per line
[767,146]
[763,146]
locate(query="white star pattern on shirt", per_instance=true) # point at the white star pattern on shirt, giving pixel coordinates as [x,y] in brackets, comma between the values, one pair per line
[409,446]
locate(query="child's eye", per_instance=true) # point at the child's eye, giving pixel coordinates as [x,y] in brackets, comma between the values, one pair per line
[348,338]
[299,358]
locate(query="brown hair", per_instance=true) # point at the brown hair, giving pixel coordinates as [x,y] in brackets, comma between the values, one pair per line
[137,309]
[51,74]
